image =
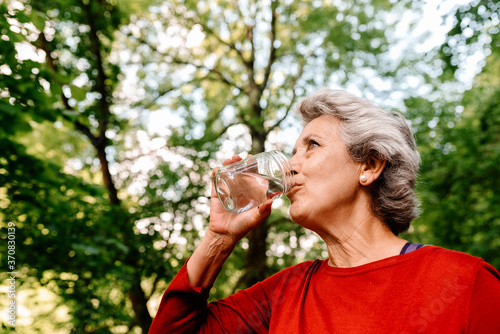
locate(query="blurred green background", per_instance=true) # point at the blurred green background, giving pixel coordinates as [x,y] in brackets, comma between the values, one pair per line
[113,113]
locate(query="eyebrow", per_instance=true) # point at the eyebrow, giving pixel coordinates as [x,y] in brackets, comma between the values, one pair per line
[305,140]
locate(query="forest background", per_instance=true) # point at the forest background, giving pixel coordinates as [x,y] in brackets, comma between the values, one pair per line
[113,113]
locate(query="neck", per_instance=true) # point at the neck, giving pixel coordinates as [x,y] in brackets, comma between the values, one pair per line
[369,240]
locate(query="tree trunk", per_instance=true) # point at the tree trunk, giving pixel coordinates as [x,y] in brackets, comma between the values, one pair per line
[256,268]
[136,294]
[139,305]
[100,142]
[106,175]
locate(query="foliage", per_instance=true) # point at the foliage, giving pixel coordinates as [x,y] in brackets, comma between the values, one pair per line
[108,204]
[459,143]
[231,71]
[82,236]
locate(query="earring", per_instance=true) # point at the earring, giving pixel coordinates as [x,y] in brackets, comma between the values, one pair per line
[363,178]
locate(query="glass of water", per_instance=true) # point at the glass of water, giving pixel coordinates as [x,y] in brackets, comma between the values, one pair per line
[250,182]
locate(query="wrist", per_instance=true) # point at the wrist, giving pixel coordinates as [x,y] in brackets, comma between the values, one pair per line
[208,258]
[215,244]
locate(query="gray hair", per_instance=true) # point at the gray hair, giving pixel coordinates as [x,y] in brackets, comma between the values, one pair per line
[371,133]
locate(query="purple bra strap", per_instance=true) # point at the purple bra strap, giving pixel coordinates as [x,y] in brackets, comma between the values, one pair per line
[410,247]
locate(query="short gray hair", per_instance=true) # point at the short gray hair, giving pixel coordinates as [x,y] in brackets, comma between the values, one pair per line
[371,133]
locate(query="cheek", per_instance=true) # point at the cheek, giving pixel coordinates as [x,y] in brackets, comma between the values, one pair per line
[330,185]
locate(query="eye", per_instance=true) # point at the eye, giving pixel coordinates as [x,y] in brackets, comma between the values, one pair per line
[311,143]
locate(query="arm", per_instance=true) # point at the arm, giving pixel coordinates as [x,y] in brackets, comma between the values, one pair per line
[184,305]
[217,245]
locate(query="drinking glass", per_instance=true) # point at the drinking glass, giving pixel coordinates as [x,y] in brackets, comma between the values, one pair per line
[250,182]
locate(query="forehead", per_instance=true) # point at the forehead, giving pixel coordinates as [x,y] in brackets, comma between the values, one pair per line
[324,123]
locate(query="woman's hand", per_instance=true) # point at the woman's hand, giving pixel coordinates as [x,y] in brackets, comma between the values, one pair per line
[224,231]
[231,226]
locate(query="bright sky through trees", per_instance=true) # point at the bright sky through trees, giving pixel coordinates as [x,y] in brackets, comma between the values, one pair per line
[114,116]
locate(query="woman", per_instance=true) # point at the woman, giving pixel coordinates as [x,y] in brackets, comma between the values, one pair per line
[355,168]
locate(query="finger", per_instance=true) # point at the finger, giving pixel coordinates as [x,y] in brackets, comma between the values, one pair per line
[213,173]
[234,158]
[213,193]
[259,215]
[265,208]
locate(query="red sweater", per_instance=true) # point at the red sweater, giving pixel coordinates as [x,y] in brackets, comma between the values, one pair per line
[430,290]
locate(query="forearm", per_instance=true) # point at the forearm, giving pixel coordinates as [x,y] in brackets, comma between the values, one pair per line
[224,232]
[208,258]
[183,306]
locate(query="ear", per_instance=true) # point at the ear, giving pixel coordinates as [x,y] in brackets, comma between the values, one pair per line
[371,170]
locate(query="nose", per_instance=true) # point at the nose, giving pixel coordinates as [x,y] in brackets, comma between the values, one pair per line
[294,162]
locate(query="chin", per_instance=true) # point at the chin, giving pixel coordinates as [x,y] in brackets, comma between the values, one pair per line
[296,215]
[304,216]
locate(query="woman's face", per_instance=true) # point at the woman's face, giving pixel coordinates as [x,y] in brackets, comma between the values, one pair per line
[327,179]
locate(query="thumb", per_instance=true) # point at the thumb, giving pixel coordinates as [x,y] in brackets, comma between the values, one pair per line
[253,218]
[265,209]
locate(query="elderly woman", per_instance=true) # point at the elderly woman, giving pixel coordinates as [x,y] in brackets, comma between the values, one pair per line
[355,168]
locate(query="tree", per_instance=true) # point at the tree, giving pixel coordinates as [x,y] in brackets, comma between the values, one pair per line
[61,216]
[229,67]
[458,134]
[108,234]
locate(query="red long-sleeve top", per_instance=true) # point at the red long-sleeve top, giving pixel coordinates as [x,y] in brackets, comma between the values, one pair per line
[430,290]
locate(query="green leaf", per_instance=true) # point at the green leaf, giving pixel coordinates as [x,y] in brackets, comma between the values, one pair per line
[62,78]
[86,249]
[78,93]
[38,19]
[55,89]
[5,107]
[71,114]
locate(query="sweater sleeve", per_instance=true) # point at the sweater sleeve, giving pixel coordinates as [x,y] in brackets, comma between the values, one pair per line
[484,307]
[184,309]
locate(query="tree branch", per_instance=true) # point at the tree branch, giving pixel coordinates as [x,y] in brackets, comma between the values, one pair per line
[292,101]
[272,50]
[179,61]
[140,155]
[249,64]
[214,70]
[101,75]
[232,46]
[43,45]
[159,94]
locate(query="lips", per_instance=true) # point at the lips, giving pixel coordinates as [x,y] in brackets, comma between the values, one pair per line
[293,190]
